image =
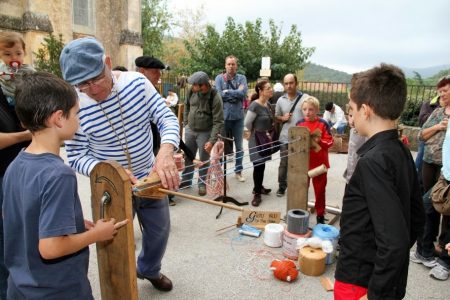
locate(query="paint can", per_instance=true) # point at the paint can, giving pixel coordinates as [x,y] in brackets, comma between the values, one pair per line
[290,243]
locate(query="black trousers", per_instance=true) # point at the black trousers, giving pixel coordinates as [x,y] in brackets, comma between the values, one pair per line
[258,176]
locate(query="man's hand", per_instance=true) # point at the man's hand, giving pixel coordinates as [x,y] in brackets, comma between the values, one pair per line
[166,168]
[285,117]
[208,146]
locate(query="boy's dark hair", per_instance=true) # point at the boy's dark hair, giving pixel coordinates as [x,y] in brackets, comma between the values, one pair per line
[382,88]
[443,81]
[329,106]
[40,94]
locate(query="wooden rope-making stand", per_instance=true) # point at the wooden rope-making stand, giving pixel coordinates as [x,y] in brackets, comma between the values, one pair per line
[111,197]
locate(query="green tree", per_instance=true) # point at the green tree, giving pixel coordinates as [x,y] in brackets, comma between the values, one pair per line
[47,57]
[155,24]
[418,78]
[249,44]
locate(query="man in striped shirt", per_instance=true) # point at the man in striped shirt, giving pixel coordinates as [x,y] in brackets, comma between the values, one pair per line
[116,109]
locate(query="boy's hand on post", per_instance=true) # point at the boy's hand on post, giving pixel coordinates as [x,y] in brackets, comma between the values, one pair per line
[88,224]
[105,230]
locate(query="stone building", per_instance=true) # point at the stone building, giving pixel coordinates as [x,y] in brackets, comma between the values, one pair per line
[116,23]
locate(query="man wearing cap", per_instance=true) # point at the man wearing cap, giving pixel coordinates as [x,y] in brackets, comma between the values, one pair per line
[151,68]
[233,90]
[116,109]
[203,120]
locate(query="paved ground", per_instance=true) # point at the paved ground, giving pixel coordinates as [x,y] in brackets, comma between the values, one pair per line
[205,265]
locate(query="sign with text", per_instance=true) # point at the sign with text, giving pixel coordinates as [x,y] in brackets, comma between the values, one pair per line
[265,62]
[260,219]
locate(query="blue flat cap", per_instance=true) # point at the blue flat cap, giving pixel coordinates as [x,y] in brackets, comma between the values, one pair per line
[149,62]
[81,60]
[199,77]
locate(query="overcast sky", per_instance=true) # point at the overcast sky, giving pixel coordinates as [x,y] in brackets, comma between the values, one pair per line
[349,35]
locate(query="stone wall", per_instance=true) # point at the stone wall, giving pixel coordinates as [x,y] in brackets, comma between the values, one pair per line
[117,25]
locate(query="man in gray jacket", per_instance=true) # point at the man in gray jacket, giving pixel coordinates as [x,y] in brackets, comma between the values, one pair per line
[203,120]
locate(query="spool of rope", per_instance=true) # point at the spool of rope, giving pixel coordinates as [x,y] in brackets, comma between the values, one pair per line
[214,177]
[297,221]
[273,235]
[312,261]
[327,232]
[290,243]
[317,171]
[285,270]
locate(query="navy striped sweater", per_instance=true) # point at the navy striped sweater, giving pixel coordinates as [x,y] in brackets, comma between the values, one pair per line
[96,141]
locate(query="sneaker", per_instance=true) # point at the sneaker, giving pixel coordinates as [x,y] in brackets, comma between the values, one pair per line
[172,202]
[202,190]
[439,272]
[419,259]
[280,192]
[239,177]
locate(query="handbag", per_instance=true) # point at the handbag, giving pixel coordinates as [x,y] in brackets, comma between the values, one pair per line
[440,196]
[267,142]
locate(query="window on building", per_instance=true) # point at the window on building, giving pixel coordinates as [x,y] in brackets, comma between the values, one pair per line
[83,16]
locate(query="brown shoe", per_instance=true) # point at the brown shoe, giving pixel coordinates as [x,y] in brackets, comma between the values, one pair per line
[256,200]
[162,283]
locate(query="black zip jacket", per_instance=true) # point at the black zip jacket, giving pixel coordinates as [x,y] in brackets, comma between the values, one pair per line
[382,216]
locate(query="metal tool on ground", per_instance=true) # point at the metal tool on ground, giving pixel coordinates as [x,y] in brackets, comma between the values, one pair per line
[224,198]
[237,224]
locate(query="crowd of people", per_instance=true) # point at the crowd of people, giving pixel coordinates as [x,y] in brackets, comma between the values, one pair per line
[105,113]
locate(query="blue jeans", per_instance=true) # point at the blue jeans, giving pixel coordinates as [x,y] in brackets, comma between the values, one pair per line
[425,243]
[419,157]
[3,271]
[155,220]
[235,129]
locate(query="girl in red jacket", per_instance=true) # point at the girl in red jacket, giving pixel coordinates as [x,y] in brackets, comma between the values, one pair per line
[318,155]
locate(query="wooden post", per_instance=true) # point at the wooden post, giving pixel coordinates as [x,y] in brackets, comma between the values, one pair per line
[298,164]
[111,198]
[180,118]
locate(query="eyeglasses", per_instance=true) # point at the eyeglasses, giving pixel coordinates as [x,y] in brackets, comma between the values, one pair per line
[94,81]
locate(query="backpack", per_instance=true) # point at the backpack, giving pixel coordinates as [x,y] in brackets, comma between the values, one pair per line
[210,100]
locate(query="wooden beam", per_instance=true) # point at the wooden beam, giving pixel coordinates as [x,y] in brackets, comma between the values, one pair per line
[298,164]
[116,258]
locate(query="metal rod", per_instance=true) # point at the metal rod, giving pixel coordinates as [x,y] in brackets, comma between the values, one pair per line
[195,198]
[328,209]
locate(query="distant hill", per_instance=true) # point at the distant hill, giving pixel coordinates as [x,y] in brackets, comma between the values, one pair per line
[424,72]
[318,73]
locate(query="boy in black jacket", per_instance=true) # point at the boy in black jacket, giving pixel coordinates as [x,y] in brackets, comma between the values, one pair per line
[382,213]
